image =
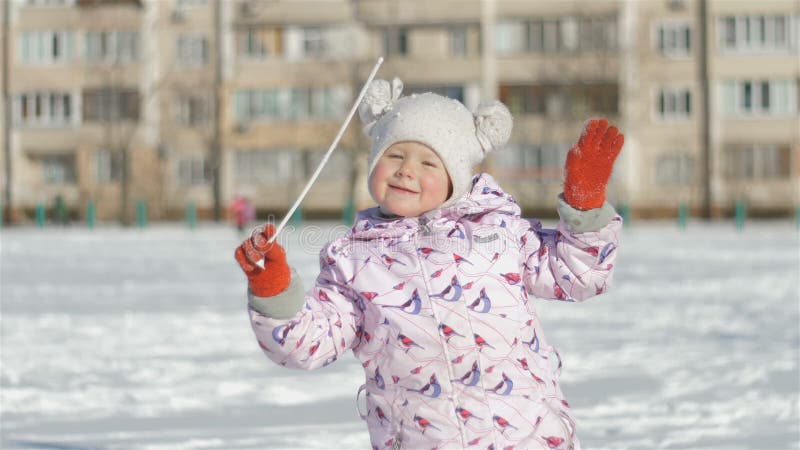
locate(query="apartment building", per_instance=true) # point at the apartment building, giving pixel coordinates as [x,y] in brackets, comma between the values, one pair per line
[756,130]
[754,126]
[77,81]
[189,49]
[250,93]
[293,72]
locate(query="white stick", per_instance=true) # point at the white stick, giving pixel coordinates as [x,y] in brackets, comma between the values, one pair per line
[329,152]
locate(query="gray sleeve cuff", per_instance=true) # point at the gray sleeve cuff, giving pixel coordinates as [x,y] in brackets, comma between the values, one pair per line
[579,221]
[281,306]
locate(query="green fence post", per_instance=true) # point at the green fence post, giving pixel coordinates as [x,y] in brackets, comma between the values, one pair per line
[348,212]
[683,215]
[40,215]
[90,214]
[60,211]
[297,218]
[740,213]
[141,213]
[191,215]
[625,212]
[797,217]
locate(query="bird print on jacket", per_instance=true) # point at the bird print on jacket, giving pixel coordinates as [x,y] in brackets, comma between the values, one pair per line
[440,311]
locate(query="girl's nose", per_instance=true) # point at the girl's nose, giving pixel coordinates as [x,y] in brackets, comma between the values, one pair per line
[405,171]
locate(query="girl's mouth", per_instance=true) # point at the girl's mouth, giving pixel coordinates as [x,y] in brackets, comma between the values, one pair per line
[402,189]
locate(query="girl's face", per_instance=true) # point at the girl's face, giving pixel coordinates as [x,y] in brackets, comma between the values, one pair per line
[409,180]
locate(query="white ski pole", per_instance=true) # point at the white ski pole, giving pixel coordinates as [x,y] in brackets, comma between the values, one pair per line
[329,152]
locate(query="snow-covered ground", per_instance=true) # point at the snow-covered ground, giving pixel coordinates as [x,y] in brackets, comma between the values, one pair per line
[127,338]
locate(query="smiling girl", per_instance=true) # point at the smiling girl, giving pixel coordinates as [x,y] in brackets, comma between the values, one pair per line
[433,289]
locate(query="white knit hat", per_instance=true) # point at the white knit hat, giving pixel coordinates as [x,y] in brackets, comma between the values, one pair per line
[461,138]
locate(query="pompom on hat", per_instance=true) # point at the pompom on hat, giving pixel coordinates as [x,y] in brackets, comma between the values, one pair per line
[461,138]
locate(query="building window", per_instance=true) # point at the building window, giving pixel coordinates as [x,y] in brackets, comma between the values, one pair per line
[299,103]
[593,98]
[458,41]
[395,42]
[191,50]
[291,103]
[127,46]
[757,161]
[110,104]
[267,166]
[523,99]
[535,37]
[259,43]
[107,166]
[598,34]
[336,169]
[567,34]
[776,98]
[544,36]
[561,100]
[756,33]
[49,3]
[673,39]
[541,162]
[509,37]
[673,103]
[190,3]
[46,47]
[675,169]
[112,47]
[251,43]
[46,109]
[334,41]
[193,171]
[58,169]
[192,110]
[256,104]
[315,44]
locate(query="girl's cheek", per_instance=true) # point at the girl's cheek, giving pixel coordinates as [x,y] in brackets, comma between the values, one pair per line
[374,179]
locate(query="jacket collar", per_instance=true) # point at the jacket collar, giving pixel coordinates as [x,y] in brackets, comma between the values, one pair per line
[484,197]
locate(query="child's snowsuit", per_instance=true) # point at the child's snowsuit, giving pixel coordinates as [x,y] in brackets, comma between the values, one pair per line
[439,309]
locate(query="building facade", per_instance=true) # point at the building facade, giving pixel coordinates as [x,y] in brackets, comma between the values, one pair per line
[115,104]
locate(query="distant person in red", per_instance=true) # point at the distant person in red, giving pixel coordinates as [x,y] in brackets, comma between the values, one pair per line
[242,211]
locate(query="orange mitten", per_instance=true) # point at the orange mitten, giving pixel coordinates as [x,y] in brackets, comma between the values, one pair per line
[589,165]
[275,276]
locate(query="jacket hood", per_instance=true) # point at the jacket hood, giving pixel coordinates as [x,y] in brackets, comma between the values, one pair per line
[485,196]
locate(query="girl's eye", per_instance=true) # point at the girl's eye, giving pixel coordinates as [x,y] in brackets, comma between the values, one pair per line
[395,155]
[430,164]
